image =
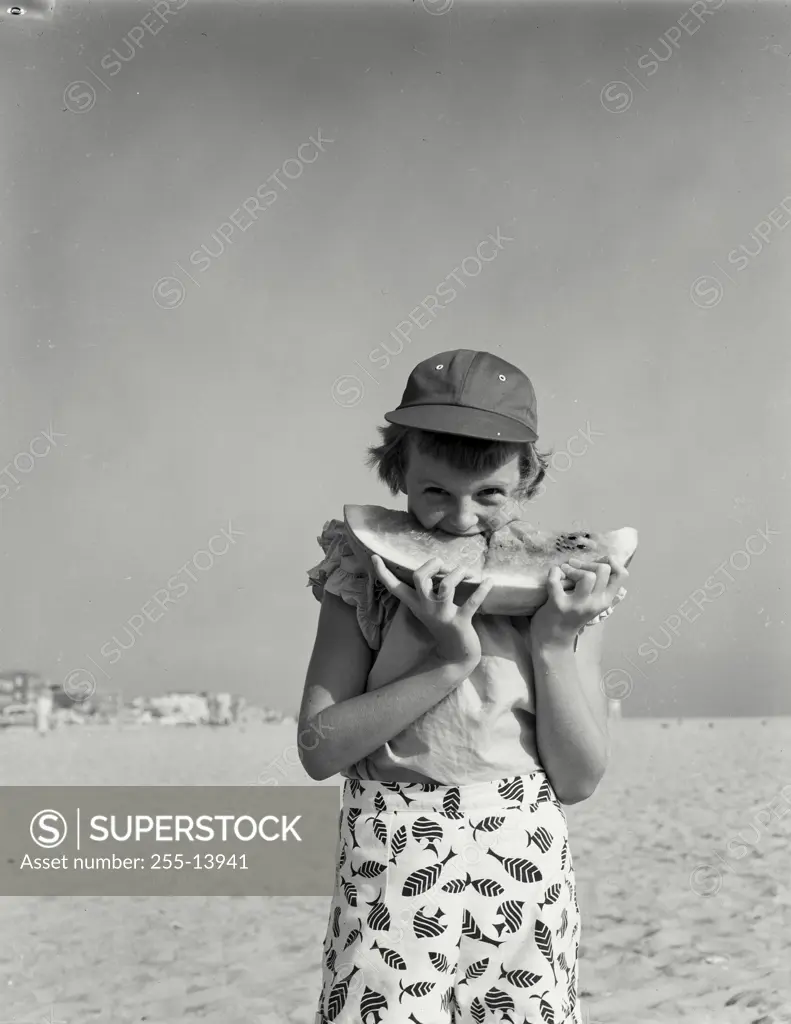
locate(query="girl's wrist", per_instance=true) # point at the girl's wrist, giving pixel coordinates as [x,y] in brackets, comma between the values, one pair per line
[456,659]
[555,638]
[556,646]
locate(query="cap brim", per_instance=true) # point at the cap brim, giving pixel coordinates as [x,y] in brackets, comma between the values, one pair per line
[454,419]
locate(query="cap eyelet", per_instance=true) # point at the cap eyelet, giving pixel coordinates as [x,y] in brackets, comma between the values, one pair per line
[502,377]
[439,366]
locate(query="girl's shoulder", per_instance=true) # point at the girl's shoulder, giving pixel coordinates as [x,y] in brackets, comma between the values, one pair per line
[334,542]
[343,573]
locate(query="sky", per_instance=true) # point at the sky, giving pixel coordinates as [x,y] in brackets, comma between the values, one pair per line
[180,358]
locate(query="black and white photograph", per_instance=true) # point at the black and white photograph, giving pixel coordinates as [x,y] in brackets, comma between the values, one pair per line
[395,425]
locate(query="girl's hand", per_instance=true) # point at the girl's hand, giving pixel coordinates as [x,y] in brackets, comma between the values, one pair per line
[597,586]
[449,624]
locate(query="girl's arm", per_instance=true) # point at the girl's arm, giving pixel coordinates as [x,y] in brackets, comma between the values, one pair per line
[571,714]
[571,706]
[341,721]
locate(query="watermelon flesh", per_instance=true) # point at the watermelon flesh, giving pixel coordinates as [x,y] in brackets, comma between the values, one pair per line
[517,557]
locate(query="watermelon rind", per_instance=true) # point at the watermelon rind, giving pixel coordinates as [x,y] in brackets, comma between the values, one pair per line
[519,582]
[371,530]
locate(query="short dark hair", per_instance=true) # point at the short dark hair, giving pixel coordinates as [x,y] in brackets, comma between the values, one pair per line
[471,454]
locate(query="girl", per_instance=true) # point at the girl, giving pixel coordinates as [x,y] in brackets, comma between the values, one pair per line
[460,735]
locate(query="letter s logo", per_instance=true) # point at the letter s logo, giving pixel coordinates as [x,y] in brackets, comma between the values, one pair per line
[48,829]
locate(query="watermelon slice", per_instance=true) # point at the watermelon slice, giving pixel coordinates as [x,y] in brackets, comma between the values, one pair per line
[517,557]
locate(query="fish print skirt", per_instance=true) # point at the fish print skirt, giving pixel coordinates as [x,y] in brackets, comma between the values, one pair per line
[452,905]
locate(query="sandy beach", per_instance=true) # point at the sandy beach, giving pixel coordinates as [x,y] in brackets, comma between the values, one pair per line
[678,925]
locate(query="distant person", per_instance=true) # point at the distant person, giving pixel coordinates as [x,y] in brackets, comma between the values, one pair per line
[43,712]
[440,747]
[224,708]
[237,708]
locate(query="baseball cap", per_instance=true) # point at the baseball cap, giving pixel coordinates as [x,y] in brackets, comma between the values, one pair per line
[475,394]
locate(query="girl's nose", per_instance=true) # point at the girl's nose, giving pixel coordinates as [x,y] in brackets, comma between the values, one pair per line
[463,517]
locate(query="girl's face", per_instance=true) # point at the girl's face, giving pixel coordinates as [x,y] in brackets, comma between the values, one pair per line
[456,501]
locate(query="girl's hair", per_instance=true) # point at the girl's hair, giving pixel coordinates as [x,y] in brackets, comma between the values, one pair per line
[471,454]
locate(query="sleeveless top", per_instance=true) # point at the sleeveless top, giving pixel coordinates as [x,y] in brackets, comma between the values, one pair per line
[484,729]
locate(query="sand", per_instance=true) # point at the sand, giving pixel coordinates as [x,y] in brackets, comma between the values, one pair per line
[653,950]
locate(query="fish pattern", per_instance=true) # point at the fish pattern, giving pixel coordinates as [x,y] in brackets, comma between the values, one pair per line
[452,905]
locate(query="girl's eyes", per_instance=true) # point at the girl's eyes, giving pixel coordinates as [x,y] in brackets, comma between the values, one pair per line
[488,491]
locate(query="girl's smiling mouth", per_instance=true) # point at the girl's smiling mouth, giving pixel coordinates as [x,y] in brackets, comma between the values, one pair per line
[456,533]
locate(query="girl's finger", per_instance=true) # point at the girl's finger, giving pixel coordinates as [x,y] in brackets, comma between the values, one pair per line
[602,572]
[557,585]
[615,590]
[599,565]
[422,576]
[476,598]
[617,598]
[576,570]
[396,587]
[585,580]
[447,586]
[617,570]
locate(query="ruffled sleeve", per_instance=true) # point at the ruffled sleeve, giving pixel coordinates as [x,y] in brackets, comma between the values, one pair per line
[342,573]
